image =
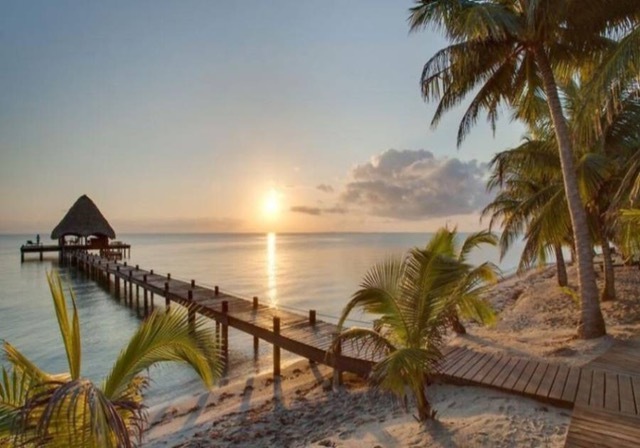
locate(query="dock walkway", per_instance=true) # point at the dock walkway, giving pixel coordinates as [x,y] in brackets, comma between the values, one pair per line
[605,394]
[608,413]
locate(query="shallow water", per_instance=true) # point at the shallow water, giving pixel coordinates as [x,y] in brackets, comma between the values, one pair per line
[297,271]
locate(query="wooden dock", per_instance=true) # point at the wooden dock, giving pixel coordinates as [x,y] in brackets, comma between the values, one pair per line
[120,250]
[605,393]
[607,411]
[302,335]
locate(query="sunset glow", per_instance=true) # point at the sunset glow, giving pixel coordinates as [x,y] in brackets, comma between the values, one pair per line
[271,206]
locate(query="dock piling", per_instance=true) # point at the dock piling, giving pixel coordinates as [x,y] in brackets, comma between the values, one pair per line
[276,347]
[225,331]
[256,340]
[337,373]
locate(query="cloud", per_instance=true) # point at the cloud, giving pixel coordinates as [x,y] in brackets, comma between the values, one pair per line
[317,211]
[335,210]
[325,188]
[314,211]
[414,184]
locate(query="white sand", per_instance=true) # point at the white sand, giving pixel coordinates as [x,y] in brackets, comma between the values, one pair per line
[537,319]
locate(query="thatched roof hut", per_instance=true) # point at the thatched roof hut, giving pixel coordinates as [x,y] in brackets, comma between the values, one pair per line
[83,219]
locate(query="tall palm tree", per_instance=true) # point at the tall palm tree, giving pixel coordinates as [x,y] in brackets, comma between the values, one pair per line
[415,298]
[67,410]
[507,51]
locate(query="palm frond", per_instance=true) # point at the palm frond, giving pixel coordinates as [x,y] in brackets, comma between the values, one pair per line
[77,414]
[14,387]
[70,331]
[370,343]
[405,366]
[165,337]
[22,364]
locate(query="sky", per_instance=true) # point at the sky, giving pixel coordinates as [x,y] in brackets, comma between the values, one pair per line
[212,116]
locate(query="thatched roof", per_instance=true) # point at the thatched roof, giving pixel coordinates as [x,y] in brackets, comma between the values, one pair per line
[83,219]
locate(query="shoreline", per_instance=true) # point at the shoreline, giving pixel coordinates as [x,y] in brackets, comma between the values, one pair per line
[536,320]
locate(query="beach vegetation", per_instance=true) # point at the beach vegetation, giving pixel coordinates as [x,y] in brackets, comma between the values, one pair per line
[518,53]
[415,299]
[38,408]
[531,201]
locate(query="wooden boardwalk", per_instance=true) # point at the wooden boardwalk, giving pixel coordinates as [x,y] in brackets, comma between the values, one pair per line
[607,414]
[605,394]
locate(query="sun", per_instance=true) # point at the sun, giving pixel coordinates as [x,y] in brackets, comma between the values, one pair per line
[271,205]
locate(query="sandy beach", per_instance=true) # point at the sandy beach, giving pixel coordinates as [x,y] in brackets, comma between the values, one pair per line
[537,319]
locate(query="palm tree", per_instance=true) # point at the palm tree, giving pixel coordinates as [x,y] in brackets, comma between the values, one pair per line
[415,299]
[507,51]
[530,202]
[67,410]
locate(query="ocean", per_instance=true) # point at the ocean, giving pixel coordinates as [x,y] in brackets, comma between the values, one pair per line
[289,271]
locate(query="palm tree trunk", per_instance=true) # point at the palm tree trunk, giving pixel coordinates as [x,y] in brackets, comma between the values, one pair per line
[561,267]
[609,290]
[457,326]
[591,323]
[424,407]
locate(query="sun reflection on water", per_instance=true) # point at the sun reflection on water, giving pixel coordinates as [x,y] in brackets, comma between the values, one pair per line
[272,291]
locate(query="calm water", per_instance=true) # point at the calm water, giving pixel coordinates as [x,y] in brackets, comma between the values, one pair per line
[299,271]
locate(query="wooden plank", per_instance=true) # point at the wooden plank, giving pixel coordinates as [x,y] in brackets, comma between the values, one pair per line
[452,355]
[515,374]
[503,361]
[611,392]
[468,362]
[536,379]
[461,362]
[526,375]
[635,381]
[547,382]
[571,385]
[504,373]
[584,387]
[598,427]
[293,327]
[479,364]
[597,389]
[452,358]
[627,403]
[482,373]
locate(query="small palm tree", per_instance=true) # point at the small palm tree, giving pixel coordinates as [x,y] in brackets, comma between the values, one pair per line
[67,410]
[415,299]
